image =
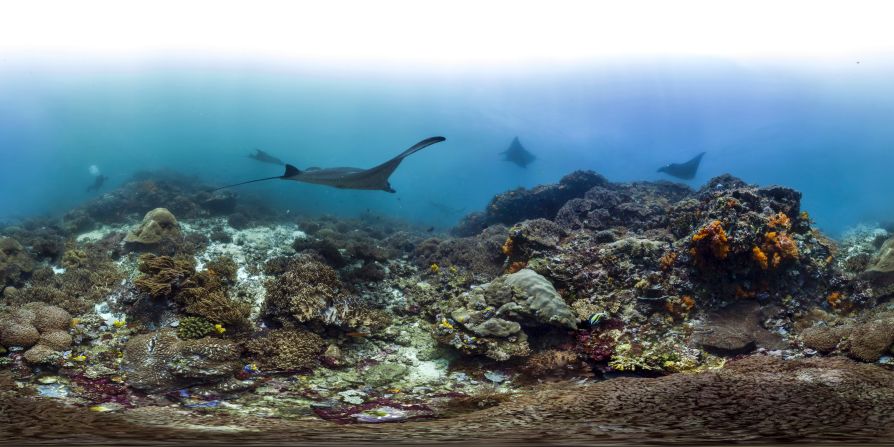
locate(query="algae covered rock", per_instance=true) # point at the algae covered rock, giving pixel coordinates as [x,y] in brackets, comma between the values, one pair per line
[158,225]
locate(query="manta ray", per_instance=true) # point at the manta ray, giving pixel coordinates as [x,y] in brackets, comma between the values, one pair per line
[518,154]
[685,171]
[375,179]
[264,157]
[97,183]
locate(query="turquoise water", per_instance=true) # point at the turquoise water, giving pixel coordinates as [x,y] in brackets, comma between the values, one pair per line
[823,130]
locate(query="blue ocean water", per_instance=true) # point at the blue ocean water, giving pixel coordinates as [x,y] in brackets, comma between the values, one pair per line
[823,130]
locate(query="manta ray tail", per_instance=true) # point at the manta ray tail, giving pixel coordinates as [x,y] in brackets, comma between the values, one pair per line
[291,171]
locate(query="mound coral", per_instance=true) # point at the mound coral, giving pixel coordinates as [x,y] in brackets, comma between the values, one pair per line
[286,349]
[158,225]
[823,338]
[541,301]
[38,326]
[871,340]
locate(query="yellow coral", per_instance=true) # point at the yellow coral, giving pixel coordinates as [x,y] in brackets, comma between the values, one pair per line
[435,268]
[760,257]
[780,220]
[219,328]
[710,239]
[507,246]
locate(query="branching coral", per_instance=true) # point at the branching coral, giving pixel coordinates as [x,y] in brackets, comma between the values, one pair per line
[163,275]
[200,293]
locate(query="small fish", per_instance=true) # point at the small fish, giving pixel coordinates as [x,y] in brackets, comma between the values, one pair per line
[357,334]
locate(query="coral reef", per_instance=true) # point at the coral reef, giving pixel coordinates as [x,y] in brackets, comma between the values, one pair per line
[15,263]
[158,225]
[40,327]
[279,321]
[304,291]
[286,350]
[159,361]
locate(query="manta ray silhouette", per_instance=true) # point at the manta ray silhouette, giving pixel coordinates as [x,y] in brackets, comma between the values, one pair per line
[375,178]
[518,154]
[685,171]
[264,157]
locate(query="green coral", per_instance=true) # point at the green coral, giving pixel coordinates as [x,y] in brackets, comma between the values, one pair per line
[194,327]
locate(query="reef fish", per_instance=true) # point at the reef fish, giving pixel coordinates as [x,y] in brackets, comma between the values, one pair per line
[264,157]
[518,154]
[685,171]
[375,179]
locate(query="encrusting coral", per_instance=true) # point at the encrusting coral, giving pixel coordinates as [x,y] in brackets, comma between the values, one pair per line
[160,361]
[286,349]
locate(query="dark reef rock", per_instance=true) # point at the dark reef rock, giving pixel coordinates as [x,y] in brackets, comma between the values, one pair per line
[539,202]
[15,263]
[479,255]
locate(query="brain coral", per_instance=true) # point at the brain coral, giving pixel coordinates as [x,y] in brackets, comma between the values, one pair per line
[541,300]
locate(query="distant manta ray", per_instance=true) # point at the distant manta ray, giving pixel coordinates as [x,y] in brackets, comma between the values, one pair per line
[518,154]
[375,179]
[685,171]
[264,157]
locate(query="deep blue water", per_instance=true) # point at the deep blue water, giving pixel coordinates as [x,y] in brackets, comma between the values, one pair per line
[824,130]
